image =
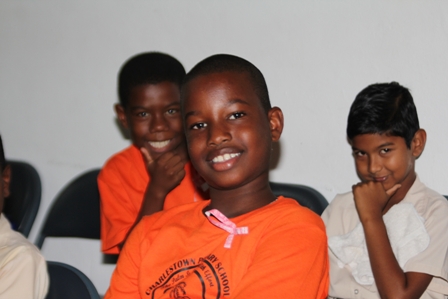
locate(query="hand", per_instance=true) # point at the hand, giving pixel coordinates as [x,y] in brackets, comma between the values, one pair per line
[167,171]
[371,198]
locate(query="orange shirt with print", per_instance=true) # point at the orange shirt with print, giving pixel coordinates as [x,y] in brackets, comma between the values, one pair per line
[178,253]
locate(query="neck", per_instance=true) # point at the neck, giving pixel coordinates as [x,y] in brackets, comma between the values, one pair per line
[241,200]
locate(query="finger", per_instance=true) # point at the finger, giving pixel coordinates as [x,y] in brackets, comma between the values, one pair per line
[146,155]
[392,190]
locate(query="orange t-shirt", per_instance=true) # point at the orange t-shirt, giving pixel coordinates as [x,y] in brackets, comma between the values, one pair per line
[122,183]
[179,253]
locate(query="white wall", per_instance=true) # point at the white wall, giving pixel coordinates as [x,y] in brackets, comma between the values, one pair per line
[59,60]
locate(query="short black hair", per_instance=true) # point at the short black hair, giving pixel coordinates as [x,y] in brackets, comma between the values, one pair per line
[384,108]
[148,68]
[2,156]
[229,63]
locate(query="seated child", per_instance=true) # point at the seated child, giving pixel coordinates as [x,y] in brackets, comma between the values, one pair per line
[23,270]
[388,238]
[154,173]
[244,242]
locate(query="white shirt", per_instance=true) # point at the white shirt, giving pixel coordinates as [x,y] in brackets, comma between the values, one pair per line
[23,270]
[341,217]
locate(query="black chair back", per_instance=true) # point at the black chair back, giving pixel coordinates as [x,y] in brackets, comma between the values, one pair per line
[67,282]
[304,195]
[22,205]
[75,212]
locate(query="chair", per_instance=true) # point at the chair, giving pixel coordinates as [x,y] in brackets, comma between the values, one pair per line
[67,282]
[304,195]
[23,203]
[75,212]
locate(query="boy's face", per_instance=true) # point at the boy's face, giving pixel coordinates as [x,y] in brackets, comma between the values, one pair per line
[229,134]
[153,117]
[4,185]
[387,159]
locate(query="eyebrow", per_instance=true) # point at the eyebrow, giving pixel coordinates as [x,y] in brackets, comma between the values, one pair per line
[142,107]
[231,102]
[378,147]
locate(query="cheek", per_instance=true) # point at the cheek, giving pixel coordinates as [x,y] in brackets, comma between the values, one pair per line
[176,125]
[194,145]
[138,129]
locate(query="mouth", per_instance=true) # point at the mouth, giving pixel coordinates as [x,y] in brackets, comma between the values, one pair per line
[380,179]
[159,144]
[224,161]
[225,157]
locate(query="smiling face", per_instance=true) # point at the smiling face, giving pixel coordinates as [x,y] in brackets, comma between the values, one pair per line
[229,134]
[387,159]
[153,117]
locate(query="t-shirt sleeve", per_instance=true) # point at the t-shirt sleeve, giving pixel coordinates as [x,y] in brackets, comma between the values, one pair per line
[291,261]
[118,213]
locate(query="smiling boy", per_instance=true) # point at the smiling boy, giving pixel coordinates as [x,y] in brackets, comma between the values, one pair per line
[389,237]
[244,242]
[154,173]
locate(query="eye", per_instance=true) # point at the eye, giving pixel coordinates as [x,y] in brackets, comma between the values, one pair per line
[359,154]
[237,115]
[142,114]
[172,111]
[385,150]
[198,126]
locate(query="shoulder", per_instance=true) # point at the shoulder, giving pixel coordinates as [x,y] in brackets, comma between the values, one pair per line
[123,161]
[128,155]
[427,202]
[341,203]
[16,248]
[182,215]
[283,215]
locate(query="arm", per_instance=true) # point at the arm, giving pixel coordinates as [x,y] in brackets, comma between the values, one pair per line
[24,276]
[120,191]
[290,262]
[391,281]
[166,173]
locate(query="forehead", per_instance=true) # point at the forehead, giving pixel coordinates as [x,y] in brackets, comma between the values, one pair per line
[222,85]
[164,91]
[373,141]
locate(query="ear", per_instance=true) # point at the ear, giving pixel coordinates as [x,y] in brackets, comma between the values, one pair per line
[275,116]
[121,115]
[418,143]
[6,177]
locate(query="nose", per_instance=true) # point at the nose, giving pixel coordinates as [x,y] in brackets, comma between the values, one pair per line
[158,123]
[374,164]
[218,134]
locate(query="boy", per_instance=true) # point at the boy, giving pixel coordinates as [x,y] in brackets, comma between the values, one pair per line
[23,270]
[389,237]
[153,173]
[244,242]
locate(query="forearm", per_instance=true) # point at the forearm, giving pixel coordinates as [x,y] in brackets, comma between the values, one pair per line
[390,279]
[153,201]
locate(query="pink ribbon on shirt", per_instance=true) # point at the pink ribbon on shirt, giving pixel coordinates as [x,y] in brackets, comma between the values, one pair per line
[226,225]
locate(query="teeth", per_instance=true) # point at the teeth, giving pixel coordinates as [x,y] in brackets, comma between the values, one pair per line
[159,144]
[225,157]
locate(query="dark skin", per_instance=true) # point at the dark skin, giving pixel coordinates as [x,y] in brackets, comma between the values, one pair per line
[4,185]
[230,138]
[386,168]
[153,118]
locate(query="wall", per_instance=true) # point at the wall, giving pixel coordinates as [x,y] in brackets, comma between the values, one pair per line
[59,60]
